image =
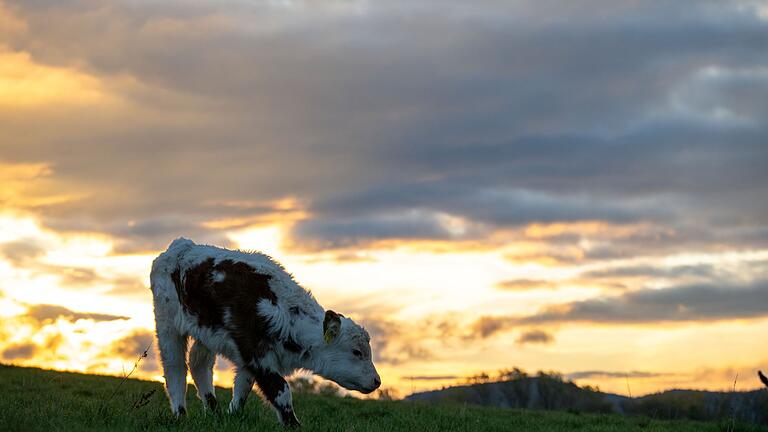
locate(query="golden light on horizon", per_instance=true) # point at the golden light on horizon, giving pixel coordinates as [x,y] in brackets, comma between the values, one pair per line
[417,298]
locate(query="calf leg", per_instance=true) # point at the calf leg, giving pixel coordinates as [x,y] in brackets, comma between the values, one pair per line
[278,394]
[201,361]
[243,386]
[173,353]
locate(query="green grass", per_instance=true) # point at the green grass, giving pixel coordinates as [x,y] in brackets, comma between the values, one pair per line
[41,400]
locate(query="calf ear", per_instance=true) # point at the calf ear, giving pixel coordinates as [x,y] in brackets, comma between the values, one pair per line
[331,326]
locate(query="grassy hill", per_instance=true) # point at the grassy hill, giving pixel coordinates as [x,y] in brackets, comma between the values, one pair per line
[41,400]
[551,392]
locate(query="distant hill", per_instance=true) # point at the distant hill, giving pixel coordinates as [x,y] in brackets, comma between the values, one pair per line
[550,393]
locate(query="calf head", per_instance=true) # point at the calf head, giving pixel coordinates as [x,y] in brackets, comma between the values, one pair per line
[347,354]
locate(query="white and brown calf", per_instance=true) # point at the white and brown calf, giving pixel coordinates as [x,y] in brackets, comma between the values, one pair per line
[246,307]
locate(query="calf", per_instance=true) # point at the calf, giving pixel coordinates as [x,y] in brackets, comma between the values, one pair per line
[246,307]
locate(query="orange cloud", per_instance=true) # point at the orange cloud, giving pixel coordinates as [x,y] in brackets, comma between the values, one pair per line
[26,84]
[49,313]
[10,24]
[591,228]
[29,185]
[133,346]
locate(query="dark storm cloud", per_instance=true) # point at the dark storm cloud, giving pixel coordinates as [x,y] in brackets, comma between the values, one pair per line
[501,114]
[47,312]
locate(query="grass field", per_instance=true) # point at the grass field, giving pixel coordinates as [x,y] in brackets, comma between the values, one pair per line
[41,400]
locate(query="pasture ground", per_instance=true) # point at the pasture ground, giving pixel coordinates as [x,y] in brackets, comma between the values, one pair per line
[42,400]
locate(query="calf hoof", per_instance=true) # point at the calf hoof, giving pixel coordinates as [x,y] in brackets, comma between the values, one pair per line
[181,412]
[290,421]
[235,408]
[210,402]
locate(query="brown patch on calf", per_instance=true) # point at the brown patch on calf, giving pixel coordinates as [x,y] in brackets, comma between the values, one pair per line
[240,290]
[271,384]
[197,295]
[176,278]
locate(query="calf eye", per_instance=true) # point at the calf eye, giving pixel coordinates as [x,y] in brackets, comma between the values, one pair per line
[357,353]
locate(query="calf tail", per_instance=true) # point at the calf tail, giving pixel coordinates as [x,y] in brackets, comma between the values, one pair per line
[762,378]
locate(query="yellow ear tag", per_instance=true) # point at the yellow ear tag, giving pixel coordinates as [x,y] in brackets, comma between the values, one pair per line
[328,336]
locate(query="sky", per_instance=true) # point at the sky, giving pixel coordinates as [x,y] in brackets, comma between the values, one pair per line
[550,185]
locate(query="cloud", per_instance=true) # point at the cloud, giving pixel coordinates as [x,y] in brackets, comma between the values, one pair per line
[618,375]
[21,252]
[394,342]
[431,377]
[487,326]
[134,344]
[705,271]
[578,244]
[525,284]
[128,286]
[683,303]
[441,210]
[535,337]
[48,312]
[518,285]
[29,253]
[700,302]
[132,347]
[373,156]
[20,351]
[319,234]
